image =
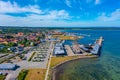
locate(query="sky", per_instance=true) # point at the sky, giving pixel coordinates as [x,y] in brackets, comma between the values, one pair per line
[60,13]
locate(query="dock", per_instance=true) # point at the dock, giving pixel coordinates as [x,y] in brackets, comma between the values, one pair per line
[69,50]
[97,46]
[99,41]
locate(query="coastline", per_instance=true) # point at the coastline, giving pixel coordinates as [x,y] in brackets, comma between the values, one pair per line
[54,70]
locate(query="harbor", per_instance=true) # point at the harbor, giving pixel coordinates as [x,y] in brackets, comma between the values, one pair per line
[77,49]
[53,50]
[89,67]
[82,51]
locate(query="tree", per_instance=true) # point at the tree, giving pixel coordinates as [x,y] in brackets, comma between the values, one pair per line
[8,36]
[11,44]
[38,38]
[43,35]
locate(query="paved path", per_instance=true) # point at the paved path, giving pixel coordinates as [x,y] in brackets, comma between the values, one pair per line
[48,67]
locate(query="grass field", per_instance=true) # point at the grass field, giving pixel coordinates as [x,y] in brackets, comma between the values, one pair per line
[36,74]
[22,74]
[63,37]
[58,60]
[2,77]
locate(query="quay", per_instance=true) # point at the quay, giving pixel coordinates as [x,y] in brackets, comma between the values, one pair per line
[83,50]
[97,46]
[99,41]
[69,50]
[78,49]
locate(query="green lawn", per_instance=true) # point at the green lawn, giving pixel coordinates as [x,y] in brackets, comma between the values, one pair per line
[2,77]
[22,74]
[57,60]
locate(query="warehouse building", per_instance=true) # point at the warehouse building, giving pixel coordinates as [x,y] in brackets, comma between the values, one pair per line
[59,49]
[8,66]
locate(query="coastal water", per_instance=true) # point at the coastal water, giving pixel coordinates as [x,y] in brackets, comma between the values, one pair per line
[106,67]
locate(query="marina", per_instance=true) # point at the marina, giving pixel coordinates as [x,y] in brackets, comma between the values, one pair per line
[85,69]
[78,49]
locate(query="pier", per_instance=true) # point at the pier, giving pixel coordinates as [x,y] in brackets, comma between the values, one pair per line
[69,50]
[99,41]
[97,46]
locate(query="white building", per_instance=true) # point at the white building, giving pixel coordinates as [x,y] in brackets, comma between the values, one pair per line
[59,49]
[8,66]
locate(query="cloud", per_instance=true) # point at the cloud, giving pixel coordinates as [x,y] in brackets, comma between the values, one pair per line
[97,2]
[8,7]
[35,20]
[47,19]
[114,16]
[61,14]
[50,16]
[38,17]
[31,20]
[68,3]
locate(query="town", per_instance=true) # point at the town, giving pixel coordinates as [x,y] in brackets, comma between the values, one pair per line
[39,50]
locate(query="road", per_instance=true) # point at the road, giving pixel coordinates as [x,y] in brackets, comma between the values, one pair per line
[8,57]
[2,59]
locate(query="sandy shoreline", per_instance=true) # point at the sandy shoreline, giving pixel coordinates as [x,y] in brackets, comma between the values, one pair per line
[56,68]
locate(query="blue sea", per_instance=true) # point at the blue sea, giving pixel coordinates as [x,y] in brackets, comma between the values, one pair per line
[106,67]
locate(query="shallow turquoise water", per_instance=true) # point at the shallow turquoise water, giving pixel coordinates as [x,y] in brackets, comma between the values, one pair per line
[106,67]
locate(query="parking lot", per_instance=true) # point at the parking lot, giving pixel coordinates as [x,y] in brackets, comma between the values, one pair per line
[41,52]
[39,60]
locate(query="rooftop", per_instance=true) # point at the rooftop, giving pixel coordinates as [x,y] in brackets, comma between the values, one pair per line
[5,66]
